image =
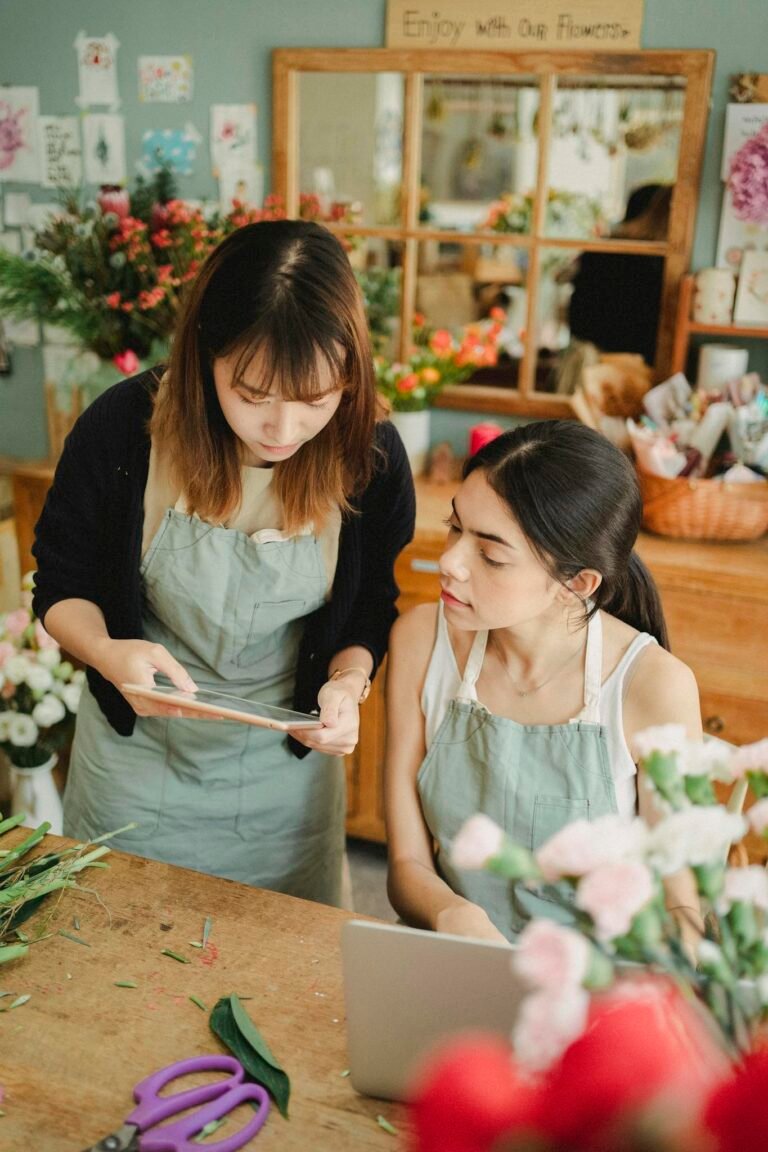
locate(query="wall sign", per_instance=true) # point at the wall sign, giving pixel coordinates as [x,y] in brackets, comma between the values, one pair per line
[514,25]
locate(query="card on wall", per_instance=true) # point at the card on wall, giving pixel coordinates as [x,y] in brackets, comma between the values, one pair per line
[16,208]
[165,79]
[173,148]
[752,292]
[97,70]
[104,148]
[60,152]
[11,242]
[242,182]
[738,234]
[18,135]
[233,135]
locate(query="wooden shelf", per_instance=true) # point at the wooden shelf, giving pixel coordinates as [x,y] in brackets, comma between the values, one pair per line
[685,327]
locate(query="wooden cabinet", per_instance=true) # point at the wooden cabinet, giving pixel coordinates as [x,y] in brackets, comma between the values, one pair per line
[715,598]
[30,485]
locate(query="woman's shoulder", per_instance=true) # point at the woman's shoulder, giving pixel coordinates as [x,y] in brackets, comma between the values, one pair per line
[126,405]
[662,690]
[416,625]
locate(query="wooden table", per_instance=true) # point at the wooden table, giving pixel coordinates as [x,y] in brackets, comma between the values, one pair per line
[70,1056]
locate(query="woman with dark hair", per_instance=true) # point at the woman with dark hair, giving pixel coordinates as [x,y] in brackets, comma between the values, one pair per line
[231,522]
[519,694]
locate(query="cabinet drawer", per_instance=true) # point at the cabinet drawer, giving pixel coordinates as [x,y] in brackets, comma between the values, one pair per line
[737,719]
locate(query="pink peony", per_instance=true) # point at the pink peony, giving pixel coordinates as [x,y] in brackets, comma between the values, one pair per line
[477,841]
[613,894]
[745,885]
[547,1024]
[6,651]
[549,955]
[16,622]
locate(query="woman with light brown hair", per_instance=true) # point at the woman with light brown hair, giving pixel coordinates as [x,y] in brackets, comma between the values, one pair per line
[231,523]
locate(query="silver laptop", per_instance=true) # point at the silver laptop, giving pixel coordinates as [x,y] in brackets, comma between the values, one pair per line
[406,989]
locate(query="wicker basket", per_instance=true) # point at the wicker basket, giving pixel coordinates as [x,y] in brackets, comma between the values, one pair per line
[703,509]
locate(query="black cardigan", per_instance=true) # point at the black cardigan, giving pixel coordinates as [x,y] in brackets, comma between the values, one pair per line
[88,543]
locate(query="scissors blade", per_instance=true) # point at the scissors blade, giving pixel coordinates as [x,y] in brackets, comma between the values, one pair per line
[125,1139]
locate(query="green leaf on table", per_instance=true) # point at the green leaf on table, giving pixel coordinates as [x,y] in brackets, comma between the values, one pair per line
[175,956]
[21,1000]
[385,1124]
[199,1003]
[125,984]
[74,939]
[234,1027]
[207,930]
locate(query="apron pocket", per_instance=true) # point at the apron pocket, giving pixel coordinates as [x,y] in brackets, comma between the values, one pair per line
[551,813]
[266,632]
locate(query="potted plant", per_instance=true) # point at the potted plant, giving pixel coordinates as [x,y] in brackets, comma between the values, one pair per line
[439,357]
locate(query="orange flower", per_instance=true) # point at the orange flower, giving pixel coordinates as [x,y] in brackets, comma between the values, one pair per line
[441,341]
[430,375]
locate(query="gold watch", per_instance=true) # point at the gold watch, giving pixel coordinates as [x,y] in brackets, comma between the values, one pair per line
[366,687]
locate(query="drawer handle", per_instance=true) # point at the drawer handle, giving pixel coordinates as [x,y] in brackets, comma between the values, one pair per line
[714,725]
[425,566]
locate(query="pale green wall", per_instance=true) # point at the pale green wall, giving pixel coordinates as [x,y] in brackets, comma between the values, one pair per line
[230,42]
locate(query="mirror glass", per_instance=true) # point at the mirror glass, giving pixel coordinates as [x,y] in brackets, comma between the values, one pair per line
[609,139]
[478,146]
[459,284]
[378,267]
[350,146]
[592,303]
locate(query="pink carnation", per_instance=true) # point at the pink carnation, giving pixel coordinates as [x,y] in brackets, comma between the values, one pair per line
[42,638]
[757,815]
[749,758]
[547,1024]
[6,651]
[583,845]
[549,955]
[16,622]
[613,895]
[477,841]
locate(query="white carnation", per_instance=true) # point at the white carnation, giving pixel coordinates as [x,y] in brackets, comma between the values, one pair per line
[23,731]
[49,711]
[71,697]
[693,836]
[664,738]
[38,678]
[49,657]
[78,676]
[744,885]
[16,669]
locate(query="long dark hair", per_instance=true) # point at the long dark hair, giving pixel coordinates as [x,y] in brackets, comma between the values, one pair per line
[283,289]
[577,500]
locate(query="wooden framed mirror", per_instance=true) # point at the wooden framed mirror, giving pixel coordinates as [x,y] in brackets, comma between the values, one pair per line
[537,181]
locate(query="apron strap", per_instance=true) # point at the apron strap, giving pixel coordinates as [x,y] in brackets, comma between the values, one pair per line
[473,667]
[593,670]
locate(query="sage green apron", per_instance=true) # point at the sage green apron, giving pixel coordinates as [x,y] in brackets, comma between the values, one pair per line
[224,798]
[532,779]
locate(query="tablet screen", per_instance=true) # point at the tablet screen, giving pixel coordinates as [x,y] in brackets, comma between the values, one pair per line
[226,707]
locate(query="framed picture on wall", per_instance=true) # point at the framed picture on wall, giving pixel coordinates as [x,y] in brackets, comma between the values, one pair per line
[752,293]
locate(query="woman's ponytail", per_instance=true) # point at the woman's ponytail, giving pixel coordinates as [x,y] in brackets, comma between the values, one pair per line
[635,600]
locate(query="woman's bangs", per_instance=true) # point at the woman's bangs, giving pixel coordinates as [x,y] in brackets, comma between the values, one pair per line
[292,367]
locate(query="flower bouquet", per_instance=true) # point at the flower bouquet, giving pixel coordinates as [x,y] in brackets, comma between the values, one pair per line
[638,1031]
[112,272]
[569,214]
[438,358]
[39,692]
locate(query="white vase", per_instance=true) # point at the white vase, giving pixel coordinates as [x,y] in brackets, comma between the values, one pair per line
[414,429]
[34,791]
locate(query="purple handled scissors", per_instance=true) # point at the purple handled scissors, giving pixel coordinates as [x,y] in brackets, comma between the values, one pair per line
[213,1102]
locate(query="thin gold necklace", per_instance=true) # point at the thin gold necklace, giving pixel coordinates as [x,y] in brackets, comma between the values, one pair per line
[542,683]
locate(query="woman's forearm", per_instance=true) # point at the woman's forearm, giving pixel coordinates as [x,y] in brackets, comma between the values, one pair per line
[80,628]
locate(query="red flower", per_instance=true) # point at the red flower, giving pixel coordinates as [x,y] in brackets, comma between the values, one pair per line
[407,383]
[468,1096]
[737,1111]
[126,362]
[112,300]
[643,1043]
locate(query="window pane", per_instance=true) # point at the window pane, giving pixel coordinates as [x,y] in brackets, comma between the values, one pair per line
[592,303]
[613,156]
[380,278]
[478,145]
[351,145]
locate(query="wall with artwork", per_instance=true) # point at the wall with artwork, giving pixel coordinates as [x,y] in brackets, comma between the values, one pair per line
[192,82]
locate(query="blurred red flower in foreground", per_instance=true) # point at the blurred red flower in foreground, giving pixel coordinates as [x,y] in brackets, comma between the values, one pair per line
[737,1110]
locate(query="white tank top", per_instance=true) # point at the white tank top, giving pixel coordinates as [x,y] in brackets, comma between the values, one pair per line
[443,681]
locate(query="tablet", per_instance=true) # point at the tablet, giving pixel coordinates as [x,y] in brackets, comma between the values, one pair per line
[224,707]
